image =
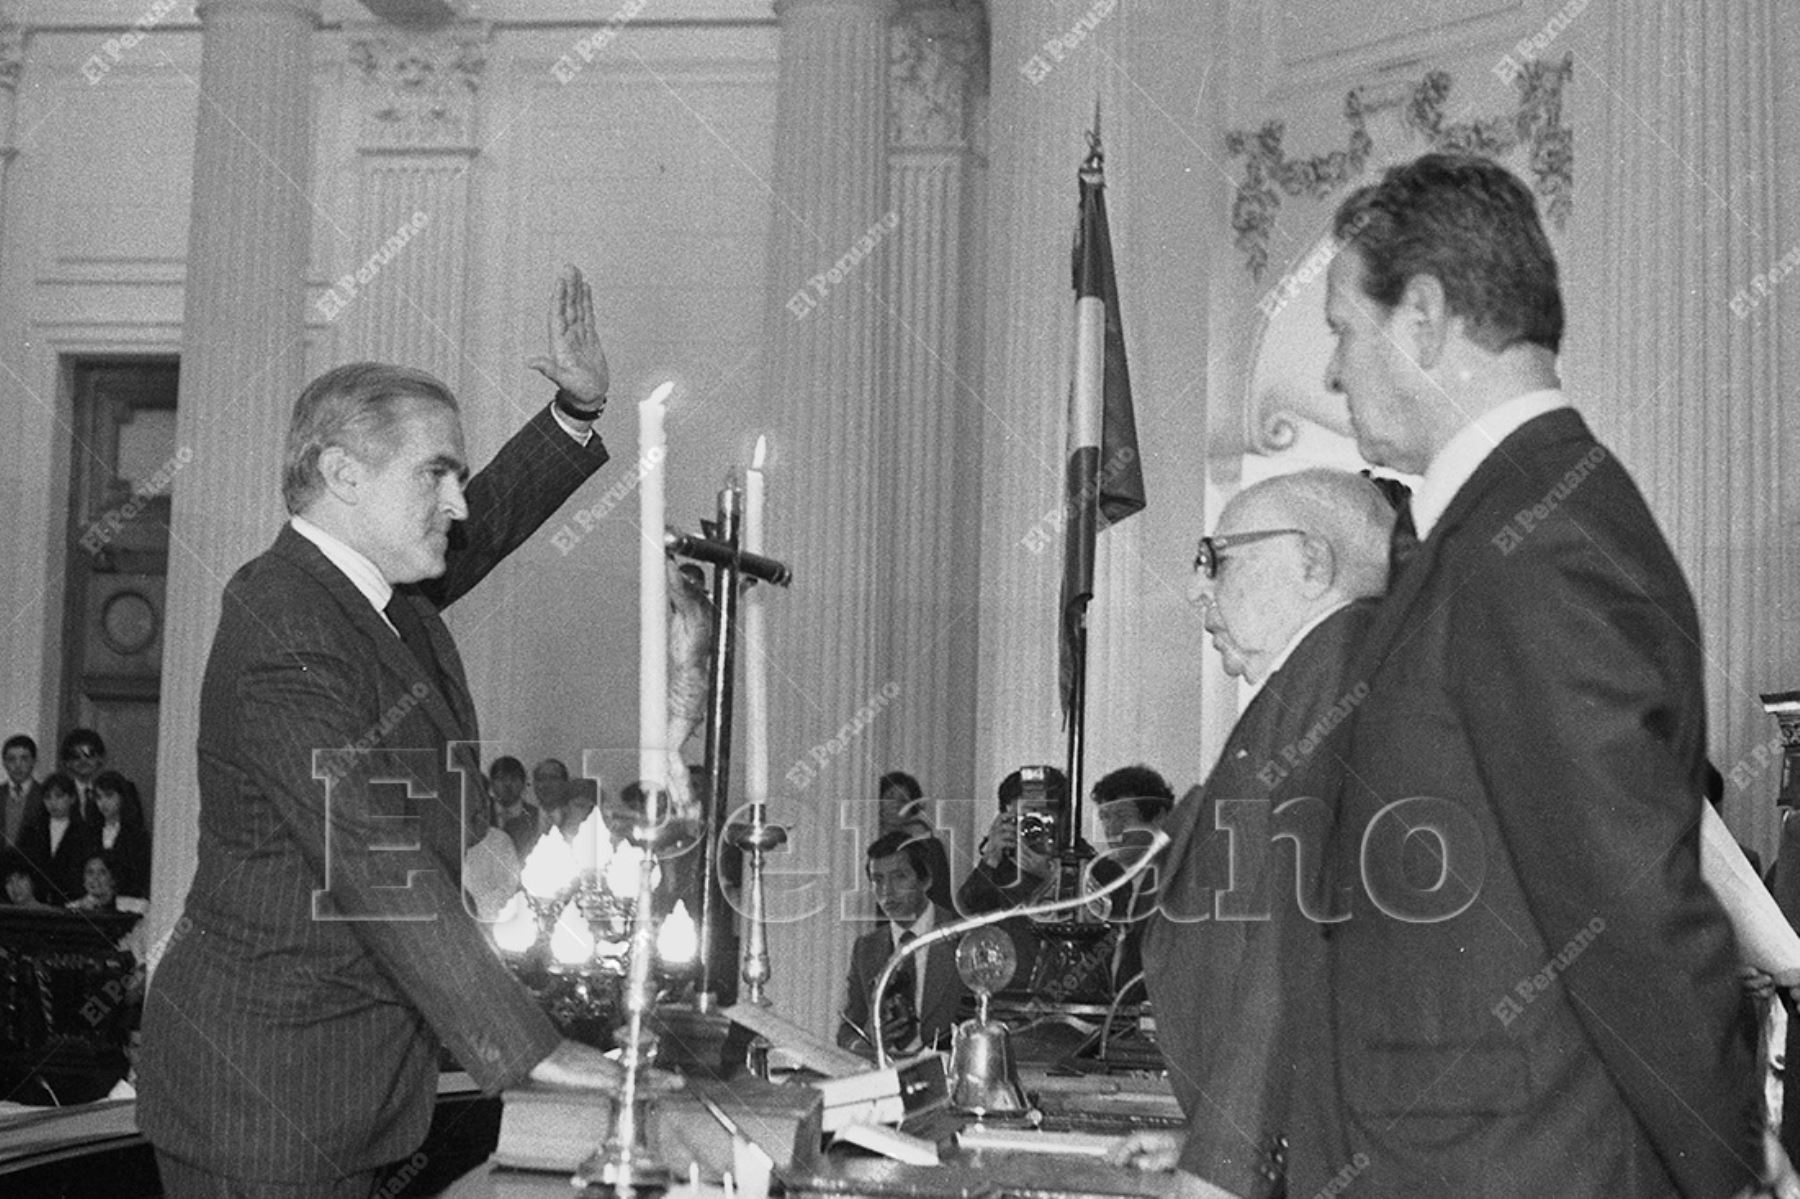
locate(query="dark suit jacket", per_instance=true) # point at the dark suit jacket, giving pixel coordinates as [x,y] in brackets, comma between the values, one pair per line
[944,989]
[1233,998]
[1570,1028]
[58,874]
[130,854]
[292,1029]
[14,816]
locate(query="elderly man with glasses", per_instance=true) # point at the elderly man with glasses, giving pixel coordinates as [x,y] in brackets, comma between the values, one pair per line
[1285,586]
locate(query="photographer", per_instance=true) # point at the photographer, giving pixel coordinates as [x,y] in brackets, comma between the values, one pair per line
[1015,865]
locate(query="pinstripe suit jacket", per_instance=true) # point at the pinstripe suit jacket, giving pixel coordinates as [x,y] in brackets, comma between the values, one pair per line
[293,1027]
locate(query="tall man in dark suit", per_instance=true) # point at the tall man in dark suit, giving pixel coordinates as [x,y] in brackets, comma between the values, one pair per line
[921,1007]
[1534,992]
[291,1033]
[1231,959]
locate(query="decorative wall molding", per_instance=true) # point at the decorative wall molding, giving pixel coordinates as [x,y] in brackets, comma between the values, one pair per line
[419,92]
[937,60]
[12,50]
[1536,122]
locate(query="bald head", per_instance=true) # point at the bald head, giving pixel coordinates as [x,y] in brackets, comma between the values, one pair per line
[1324,542]
[1344,510]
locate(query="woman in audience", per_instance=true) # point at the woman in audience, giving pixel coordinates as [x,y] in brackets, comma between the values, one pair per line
[121,833]
[21,882]
[56,843]
[99,886]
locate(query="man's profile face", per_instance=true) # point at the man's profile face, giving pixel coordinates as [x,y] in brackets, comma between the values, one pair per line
[1370,368]
[1116,818]
[1248,606]
[899,891]
[20,762]
[406,504]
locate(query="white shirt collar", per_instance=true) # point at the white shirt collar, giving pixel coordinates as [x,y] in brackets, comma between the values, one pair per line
[925,923]
[1464,453]
[1287,651]
[358,569]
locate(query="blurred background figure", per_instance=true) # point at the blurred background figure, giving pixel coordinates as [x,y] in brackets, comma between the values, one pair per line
[512,814]
[902,810]
[119,831]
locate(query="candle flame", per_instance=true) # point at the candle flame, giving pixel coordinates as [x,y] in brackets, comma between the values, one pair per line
[572,942]
[515,929]
[589,838]
[622,871]
[762,450]
[678,941]
[661,394]
[550,868]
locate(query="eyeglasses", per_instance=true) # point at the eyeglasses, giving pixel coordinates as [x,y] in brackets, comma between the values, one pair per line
[1212,549]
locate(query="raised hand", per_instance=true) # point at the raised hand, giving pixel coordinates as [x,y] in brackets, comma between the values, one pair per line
[575,363]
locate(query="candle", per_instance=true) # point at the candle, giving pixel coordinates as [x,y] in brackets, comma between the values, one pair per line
[653,594]
[756,663]
[677,942]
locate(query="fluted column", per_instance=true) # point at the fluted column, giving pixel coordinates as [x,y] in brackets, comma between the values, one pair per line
[1041,108]
[830,688]
[400,277]
[1678,347]
[242,363]
[938,57]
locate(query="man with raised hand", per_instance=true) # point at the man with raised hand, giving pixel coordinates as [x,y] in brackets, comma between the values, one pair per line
[292,1030]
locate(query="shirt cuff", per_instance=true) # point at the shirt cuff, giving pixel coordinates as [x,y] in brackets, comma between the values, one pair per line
[582,433]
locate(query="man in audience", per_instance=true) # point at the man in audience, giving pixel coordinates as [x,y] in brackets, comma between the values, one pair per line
[902,809]
[921,1005]
[1231,961]
[1130,802]
[19,798]
[83,756]
[518,819]
[549,782]
[1522,783]
[292,1037]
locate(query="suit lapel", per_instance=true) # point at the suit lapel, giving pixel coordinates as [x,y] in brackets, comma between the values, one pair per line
[390,651]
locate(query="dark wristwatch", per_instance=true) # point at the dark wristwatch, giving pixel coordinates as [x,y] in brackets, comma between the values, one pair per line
[572,408]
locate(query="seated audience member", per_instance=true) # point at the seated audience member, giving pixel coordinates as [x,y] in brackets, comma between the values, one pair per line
[19,797]
[83,755]
[1130,802]
[921,1006]
[519,819]
[1012,869]
[56,843]
[575,802]
[902,810]
[21,882]
[121,833]
[99,885]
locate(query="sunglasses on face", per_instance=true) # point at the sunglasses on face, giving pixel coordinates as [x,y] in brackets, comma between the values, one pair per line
[1212,549]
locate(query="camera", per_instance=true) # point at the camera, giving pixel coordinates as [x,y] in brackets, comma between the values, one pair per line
[1037,810]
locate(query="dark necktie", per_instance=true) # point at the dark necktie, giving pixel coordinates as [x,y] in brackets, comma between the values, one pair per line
[899,1012]
[1404,545]
[405,619]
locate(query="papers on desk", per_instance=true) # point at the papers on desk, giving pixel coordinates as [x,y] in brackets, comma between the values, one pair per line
[1765,938]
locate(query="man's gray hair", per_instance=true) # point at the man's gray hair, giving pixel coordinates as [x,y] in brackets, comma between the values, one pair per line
[353,407]
[1346,511]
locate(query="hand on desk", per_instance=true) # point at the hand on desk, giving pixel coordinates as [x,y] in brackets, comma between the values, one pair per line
[572,1064]
[1157,1152]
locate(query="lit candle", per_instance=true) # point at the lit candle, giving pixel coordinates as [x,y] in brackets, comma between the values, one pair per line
[678,941]
[516,929]
[653,594]
[571,942]
[550,868]
[756,664]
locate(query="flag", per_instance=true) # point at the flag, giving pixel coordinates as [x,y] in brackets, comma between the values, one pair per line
[1105,482]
